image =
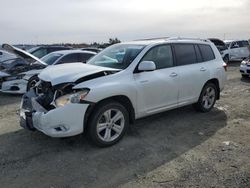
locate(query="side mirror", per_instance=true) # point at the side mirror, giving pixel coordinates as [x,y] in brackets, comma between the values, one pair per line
[146,66]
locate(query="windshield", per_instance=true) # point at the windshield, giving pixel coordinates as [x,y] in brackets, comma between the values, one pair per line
[51,58]
[32,50]
[118,56]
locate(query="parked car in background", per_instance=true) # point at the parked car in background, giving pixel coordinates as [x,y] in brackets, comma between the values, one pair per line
[222,47]
[124,82]
[19,77]
[41,51]
[97,50]
[245,68]
[5,56]
[237,49]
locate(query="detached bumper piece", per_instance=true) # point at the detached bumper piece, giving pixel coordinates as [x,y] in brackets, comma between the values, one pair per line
[26,111]
[58,122]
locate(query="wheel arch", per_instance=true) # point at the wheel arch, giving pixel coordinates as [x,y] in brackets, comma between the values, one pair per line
[122,99]
[215,81]
[29,79]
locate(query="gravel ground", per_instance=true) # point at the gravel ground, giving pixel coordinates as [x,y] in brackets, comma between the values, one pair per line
[179,148]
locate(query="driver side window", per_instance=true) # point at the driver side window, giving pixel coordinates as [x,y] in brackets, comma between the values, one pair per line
[161,55]
[235,45]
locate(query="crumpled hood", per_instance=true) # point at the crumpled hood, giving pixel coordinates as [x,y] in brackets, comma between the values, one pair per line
[3,74]
[22,54]
[70,72]
[22,69]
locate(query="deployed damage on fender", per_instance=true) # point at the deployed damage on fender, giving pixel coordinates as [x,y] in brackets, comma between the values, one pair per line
[46,106]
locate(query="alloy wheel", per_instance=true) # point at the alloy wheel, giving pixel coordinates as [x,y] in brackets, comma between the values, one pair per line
[110,125]
[208,98]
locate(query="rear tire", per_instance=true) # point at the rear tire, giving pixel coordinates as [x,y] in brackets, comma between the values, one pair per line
[108,123]
[207,98]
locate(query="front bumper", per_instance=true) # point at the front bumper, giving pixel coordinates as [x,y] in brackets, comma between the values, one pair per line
[60,122]
[245,70]
[14,86]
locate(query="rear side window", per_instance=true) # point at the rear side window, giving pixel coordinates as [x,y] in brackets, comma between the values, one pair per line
[70,58]
[185,54]
[206,52]
[243,43]
[40,52]
[85,57]
[161,55]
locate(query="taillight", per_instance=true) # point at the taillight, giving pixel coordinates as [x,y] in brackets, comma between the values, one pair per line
[225,66]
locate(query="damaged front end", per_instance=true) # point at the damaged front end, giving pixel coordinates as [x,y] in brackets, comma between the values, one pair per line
[52,109]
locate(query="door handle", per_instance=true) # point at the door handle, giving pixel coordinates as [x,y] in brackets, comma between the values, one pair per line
[173,74]
[203,69]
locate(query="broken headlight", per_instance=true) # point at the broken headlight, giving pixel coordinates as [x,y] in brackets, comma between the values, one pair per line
[71,98]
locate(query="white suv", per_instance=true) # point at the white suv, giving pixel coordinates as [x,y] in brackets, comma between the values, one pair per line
[237,50]
[124,82]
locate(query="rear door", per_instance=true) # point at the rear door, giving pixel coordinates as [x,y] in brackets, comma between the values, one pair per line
[193,72]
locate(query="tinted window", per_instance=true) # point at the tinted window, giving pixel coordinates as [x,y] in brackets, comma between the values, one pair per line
[71,58]
[198,54]
[51,58]
[185,54]
[161,56]
[40,53]
[235,45]
[243,43]
[207,52]
[85,57]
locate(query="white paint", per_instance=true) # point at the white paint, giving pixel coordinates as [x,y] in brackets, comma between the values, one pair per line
[149,92]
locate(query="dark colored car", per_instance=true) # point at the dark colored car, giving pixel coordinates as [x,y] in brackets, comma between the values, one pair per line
[41,51]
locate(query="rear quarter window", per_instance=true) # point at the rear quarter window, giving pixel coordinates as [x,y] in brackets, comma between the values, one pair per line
[206,52]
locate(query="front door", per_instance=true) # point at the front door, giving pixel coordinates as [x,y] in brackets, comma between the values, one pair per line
[157,90]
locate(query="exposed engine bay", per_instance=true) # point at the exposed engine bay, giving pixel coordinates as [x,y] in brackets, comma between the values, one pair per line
[47,94]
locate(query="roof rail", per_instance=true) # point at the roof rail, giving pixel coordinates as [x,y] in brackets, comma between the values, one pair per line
[186,38]
[157,38]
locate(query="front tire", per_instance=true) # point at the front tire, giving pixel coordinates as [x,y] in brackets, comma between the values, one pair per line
[108,123]
[32,82]
[207,98]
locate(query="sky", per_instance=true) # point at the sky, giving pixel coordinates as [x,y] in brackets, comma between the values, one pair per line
[79,21]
